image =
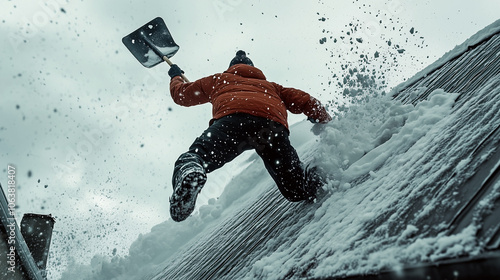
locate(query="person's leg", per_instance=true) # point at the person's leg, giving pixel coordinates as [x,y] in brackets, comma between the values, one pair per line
[283,163]
[219,144]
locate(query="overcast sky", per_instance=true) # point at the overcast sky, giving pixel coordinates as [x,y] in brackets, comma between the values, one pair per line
[94,134]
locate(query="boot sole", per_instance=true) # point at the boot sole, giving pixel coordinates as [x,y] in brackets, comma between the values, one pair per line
[183,200]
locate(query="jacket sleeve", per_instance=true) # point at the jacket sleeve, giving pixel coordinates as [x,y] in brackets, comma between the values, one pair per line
[188,94]
[298,101]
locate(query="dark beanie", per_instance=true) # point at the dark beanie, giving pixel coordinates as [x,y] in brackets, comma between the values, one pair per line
[240,58]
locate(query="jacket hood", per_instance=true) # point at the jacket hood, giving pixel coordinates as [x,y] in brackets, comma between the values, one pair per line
[246,71]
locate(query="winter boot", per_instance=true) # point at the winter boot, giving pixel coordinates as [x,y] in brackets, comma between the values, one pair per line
[188,181]
[314,183]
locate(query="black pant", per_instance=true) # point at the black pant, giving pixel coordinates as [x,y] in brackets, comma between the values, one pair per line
[231,135]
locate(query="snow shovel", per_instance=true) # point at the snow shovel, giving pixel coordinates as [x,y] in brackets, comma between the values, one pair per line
[152,44]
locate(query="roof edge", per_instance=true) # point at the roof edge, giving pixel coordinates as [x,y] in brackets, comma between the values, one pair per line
[472,42]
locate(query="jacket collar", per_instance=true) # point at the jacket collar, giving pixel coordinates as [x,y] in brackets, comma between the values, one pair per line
[246,71]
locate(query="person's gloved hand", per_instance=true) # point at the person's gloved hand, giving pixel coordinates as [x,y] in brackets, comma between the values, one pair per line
[318,126]
[175,71]
[313,120]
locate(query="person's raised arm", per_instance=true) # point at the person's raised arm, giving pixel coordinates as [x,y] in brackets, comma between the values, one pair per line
[186,94]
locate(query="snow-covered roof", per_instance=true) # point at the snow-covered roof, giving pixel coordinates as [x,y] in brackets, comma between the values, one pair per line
[413,184]
[423,191]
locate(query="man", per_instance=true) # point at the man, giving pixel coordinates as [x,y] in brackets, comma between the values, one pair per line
[249,112]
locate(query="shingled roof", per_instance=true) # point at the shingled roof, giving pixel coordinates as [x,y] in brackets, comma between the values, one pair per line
[474,69]
[231,249]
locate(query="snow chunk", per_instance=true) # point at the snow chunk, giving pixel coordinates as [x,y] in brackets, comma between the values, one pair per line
[372,139]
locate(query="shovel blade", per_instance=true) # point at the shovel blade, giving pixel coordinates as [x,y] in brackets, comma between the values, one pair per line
[151,42]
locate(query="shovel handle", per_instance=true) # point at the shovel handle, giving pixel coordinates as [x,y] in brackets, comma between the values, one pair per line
[165,58]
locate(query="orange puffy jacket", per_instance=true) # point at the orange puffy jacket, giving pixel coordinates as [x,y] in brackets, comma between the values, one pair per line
[244,89]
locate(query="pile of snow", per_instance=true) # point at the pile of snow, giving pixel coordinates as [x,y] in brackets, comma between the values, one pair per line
[348,140]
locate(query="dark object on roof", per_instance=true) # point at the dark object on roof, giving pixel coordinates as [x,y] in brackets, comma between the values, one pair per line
[17,260]
[37,232]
